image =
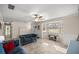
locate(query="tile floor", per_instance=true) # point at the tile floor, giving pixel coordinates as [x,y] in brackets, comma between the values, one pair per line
[45,46]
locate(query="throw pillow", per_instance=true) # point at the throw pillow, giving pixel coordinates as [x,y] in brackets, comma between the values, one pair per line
[8,46]
[5,46]
[11,45]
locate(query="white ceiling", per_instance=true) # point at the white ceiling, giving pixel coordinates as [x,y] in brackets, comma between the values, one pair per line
[24,12]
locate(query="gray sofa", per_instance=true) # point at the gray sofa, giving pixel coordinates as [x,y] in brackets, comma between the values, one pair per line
[27,38]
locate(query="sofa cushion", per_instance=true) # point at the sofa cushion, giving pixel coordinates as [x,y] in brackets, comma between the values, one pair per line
[11,45]
[1,49]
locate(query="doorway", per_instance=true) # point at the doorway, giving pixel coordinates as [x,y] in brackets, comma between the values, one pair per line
[7,31]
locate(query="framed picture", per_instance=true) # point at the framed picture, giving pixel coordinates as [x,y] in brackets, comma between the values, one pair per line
[78,38]
[38,27]
[44,27]
[0,25]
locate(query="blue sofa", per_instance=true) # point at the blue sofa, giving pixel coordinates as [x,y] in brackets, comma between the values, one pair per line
[28,38]
[73,47]
[1,49]
[17,50]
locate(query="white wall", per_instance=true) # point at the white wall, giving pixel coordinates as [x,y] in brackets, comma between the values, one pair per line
[36,30]
[19,28]
[1,20]
[70,27]
[71,24]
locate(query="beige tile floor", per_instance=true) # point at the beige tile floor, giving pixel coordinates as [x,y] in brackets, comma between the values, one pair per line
[45,46]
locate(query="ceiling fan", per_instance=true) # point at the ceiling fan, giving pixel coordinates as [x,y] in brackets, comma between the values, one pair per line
[38,18]
[10,6]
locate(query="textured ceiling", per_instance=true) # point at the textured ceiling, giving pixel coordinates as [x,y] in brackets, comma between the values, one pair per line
[24,12]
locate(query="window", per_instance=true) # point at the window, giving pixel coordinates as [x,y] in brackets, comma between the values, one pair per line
[55,27]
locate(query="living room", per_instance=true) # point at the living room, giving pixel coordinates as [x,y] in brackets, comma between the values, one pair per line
[39,28]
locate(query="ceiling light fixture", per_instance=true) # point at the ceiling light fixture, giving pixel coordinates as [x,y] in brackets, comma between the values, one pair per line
[10,6]
[37,17]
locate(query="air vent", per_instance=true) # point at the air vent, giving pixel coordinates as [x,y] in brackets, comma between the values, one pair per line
[10,6]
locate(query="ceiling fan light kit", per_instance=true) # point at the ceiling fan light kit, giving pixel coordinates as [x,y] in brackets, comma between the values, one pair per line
[37,17]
